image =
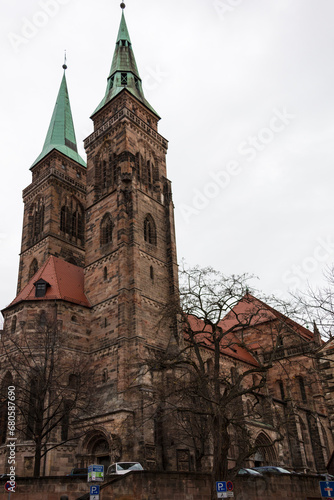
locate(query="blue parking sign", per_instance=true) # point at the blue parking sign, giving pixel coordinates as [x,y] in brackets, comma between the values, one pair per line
[221,486]
[94,490]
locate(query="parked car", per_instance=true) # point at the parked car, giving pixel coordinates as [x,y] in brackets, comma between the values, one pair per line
[79,472]
[272,469]
[244,471]
[123,468]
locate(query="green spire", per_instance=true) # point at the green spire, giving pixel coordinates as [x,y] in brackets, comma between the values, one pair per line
[124,72]
[61,135]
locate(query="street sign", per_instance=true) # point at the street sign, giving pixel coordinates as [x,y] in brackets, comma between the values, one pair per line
[229,486]
[221,486]
[10,486]
[225,494]
[95,473]
[327,489]
[94,492]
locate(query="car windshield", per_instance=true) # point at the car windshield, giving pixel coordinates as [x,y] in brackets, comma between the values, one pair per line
[129,466]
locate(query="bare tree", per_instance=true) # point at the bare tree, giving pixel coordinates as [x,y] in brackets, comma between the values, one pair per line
[52,386]
[214,382]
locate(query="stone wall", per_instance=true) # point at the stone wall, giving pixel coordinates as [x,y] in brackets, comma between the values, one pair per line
[169,486]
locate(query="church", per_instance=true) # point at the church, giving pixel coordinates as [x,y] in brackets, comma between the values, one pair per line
[98,265]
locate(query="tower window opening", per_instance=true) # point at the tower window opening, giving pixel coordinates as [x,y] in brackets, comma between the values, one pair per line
[105,274]
[151,273]
[281,389]
[150,231]
[149,174]
[302,389]
[36,220]
[33,268]
[111,84]
[42,320]
[106,229]
[137,83]
[72,220]
[124,78]
[104,174]
[13,327]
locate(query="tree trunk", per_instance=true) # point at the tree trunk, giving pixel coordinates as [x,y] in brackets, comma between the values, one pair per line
[38,452]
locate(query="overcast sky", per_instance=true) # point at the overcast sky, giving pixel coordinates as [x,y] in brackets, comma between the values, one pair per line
[245,89]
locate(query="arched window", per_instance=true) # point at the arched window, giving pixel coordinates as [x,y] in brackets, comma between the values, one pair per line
[106,229]
[36,220]
[302,389]
[104,174]
[65,421]
[281,392]
[138,165]
[42,319]
[149,174]
[105,375]
[13,326]
[150,233]
[73,381]
[72,220]
[33,268]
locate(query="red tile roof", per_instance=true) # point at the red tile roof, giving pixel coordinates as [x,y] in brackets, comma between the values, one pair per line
[66,283]
[229,343]
[254,311]
[248,312]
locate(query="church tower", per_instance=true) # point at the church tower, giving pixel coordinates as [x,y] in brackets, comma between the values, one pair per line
[54,202]
[131,268]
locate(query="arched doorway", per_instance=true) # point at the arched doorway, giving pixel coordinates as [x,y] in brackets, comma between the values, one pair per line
[266,453]
[101,452]
[98,449]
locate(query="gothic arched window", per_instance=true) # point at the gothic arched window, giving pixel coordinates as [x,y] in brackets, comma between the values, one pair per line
[150,233]
[33,268]
[302,389]
[13,326]
[281,389]
[36,220]
[149,174]
[106,229]
[72,220]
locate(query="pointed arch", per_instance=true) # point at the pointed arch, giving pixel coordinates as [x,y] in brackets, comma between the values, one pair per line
[150,232]
[72,220]
[13,325]
[36,220]
[33,268]
[106,229]
[266,453]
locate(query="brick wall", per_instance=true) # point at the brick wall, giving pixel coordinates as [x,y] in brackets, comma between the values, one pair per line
[169,486]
